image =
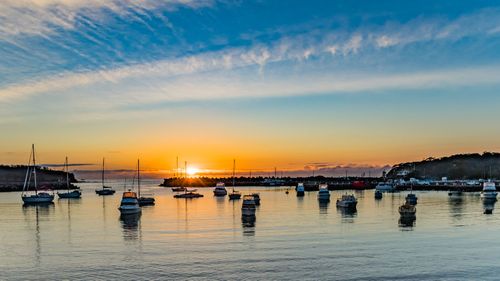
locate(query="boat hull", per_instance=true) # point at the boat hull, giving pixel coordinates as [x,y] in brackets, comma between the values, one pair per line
[126,210]
[104,192]
[220,193]
[234,196]
[70,195]
[36,199]
[489,195]
[300,193]
[347,205]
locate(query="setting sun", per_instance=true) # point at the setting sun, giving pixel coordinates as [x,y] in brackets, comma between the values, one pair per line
[191,171]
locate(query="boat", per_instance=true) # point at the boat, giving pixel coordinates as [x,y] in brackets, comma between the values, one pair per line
[411,199]
[489,191]
[248,206]
[188,195]
[234,195]
[39,197]
[220,190]
[378,194]
[455,193]
[324,193]
[105,190]
[74,194]
[129,204]
[178,189]
[385,187]
[143,200]
[407,210]
[256,198]
[347,201]
[300,189]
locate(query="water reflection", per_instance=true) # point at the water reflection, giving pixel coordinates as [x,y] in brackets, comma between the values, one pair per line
[37,212]
[456,206]
[347,214]
[407,223]
[323,206]
[488,206]
[248,223]
[130,224]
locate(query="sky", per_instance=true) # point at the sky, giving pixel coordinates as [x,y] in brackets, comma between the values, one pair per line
[298,85]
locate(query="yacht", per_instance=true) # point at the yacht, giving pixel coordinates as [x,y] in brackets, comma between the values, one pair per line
[411,199]
[324,193]
[407,211]
[347,201]
[385,187]
[37,197]
[234,195]
[178,189]
[105,190]
[378,194]
[129,204]
[74,194]
[143,200]
[189,193]
[248,206]
[256,198]
[489,191]
[300,189]
[220,190]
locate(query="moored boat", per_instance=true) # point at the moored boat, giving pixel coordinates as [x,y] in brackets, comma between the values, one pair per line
[105,190]
[385,187]
[347,201]
[234,195]
[300,189]
[248,206]
[74,194]
[256,198]
[489,191]
[220,189]
[455,193]
[38,197]
[324,193]
[143,200]
[378,194]
[178,189]
[188,195]
[407,210]
[129,204]
[411,199]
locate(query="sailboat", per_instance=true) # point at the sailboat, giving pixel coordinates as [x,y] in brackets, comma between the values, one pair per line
[38,197]
[69,194]
[188,193]
[143,201]
[234,195]
[106,190]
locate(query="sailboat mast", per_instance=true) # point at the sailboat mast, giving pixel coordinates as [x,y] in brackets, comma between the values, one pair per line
[34,168]
[27,178]
[138,179]
[234,167]
[102,175]
[177,170]
[67,176]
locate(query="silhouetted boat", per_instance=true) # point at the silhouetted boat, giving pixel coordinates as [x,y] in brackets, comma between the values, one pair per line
[38,197]
[220,190]
[347,201]
[129,204]
[188,195]
[74,194]
[248,206]
[455,193]
[234,195]
[385,187]
[105,190]
[178,189]
[143,200]
[407,210]
[411,199]
[378,194]
[300,189]
[324,193]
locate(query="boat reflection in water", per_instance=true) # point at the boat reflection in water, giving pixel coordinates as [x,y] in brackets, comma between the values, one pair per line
[130,224]
[323,206]
[488,206]
[348,214]
[407,223]
[248,224]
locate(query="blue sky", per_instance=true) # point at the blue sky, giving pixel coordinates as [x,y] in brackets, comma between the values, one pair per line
[373,82]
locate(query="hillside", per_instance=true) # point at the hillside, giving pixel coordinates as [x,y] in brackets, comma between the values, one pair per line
[12,177]
[455,167]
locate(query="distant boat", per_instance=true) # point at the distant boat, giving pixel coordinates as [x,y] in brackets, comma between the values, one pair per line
[411,199]
[129,204]
[143,200]
[248,206]
[455,193]
[38,197]
[324,193]
[300,189]
[178,189]
[188,193]
[220,190]
[407,211]
[105,190]
[347,201]
[489,191]
[378,194]
[385,187]
[234,195]
[74,194]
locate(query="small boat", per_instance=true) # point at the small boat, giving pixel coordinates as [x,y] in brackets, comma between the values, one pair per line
[248,206]
[407,210]
[455,193]
[411,199]
[347,201]
[105,190]
[220,190]
[489,191]
[378,194]
[129,204]
[74,194]
[256,198]
[300,189]
[143,200]
[188,195]
[178,189]
[324,193]
[385,187]
[234,195]
[38,197]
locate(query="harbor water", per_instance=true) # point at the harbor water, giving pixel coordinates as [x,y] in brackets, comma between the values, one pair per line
[292,238]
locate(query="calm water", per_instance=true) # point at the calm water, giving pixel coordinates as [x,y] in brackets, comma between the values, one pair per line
[292,238]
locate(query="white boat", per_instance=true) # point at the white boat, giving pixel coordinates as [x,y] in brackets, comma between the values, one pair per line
[220,189]
[324,193]
[385,187]
[129,204]
[37,197]
[248,206]
[347,201]
[300,189]
[489,191]
[74,194]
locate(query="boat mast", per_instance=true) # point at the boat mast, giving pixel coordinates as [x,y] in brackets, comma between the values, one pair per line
[102,176]
[234,167]
[185,175]
[34,168]
[138,179]
[27,178]
[67,176]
